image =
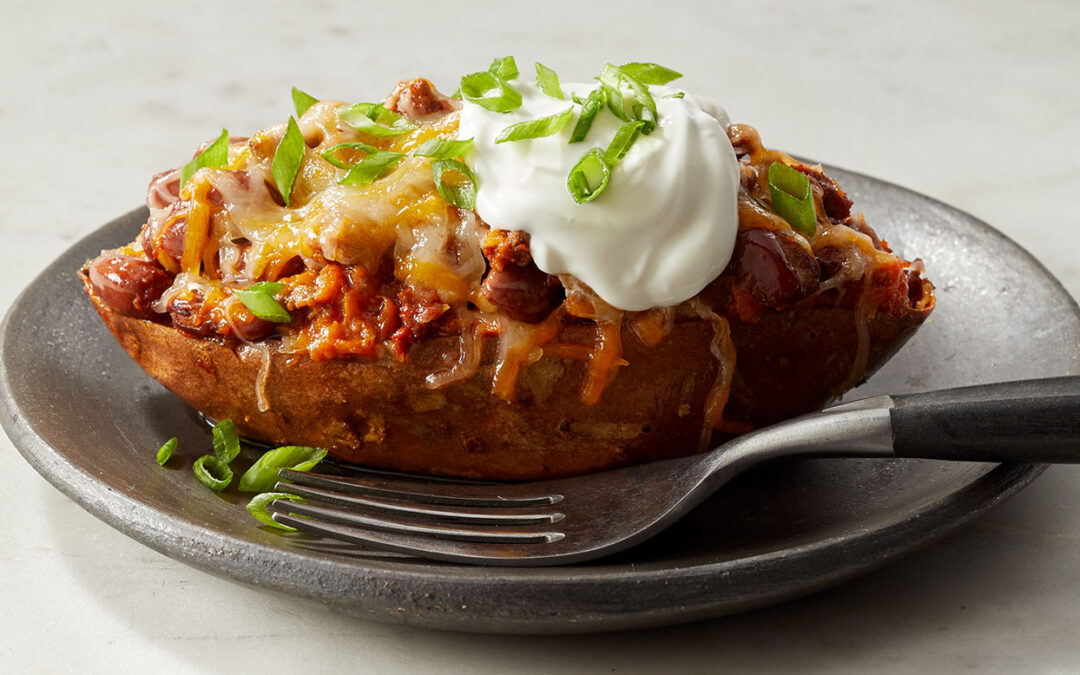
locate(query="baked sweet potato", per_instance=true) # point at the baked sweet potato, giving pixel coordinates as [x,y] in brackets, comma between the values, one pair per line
[461,357]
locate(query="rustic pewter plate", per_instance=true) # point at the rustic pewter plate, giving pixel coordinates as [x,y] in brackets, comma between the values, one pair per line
[88,419]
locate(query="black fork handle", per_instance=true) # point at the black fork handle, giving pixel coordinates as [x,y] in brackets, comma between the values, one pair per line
[1026,421]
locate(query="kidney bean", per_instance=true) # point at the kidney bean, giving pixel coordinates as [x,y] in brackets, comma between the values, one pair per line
[246,325]
[187,314]
[523,291]
[128,285]
[774,266]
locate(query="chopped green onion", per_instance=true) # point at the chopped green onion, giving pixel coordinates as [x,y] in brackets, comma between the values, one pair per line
[330,156]
[589,108]
[441,148]
[226,440]
[547,81]
[257,508]
[490,92]
[462,192]
[678,94]
[214,156]
[643,107]
[624,138]
[372,168]
[263,474]
[589,176]
[287,160]
[302,101]
[545,126]
[792,197]
[375,120]
[259,298]
[505,68]
[650,73]
[213,472]
[167,450]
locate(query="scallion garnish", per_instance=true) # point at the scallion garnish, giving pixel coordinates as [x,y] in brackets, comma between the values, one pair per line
[287,160]
[505,68]
[257,508]
[214,156]
[650,73]
[545,126]
[375,120]
[372,168]
[620,144]
[259,298]
[678,94]
[226,440]
[167,450]
[263,474]
[589,108]
[589,176]
[461,190]
[331,154]
[490,92]
[302,101]
[547,81]
[213,472]
[642,107]
[792,197]
[442,148]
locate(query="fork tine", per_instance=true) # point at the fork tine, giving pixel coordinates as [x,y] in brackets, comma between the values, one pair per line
[419,490]
[283,508]
[426,547]
[475,515]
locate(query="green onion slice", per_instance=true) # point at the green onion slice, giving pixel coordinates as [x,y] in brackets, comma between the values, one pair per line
[442,148]
[792,197]
[375,120]
[259,298]
[302,101]
[589,108]
[372,168]
[214,156]
[226,441]
[257,508]
[505,68]
[213,472]
[643,107]
[545,126]
[678,94]
[490,92]
[460,192]
[547,81]
[589,176]
[263,474]
[287,160]
[167,450]
[620,144]
[650,73]
[331,154]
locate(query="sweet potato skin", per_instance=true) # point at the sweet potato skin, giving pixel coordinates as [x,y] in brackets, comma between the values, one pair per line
[378,412]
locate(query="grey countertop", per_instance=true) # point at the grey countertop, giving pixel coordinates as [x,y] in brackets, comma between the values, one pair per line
[975,104]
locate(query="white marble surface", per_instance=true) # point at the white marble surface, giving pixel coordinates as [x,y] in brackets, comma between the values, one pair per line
[973,103]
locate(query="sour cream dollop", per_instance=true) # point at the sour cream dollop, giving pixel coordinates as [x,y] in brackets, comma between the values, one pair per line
[661,231]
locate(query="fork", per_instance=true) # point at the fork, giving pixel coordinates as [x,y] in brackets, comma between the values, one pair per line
[586,517]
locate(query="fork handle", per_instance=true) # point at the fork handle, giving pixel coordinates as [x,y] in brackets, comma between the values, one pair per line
[1026,421]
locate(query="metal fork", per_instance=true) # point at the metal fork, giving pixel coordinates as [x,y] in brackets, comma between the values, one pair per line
[576,519]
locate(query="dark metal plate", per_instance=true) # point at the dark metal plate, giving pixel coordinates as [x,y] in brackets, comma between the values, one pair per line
[88,419]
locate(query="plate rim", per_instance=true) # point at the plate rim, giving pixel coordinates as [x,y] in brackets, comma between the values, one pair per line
[982,493]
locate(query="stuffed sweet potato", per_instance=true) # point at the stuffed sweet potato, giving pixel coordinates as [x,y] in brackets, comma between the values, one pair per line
[382,319]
